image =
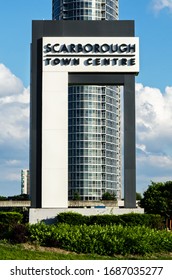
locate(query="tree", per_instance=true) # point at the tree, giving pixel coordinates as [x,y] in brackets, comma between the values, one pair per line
[138,196]
[76,196]
[19,197]
[157,199]
[3,198]
[109,196]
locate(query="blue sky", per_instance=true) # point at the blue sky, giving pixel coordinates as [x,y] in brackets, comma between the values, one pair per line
[153,25]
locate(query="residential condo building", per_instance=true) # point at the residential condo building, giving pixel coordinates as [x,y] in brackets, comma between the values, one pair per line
[94,117]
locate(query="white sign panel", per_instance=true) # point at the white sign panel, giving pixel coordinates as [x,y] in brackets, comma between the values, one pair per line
[91,54]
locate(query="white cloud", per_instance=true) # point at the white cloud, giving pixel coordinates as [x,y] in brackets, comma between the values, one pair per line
[9,83]
[153,116]
[159,5]
[155,161]
[14,108]
[14,127]
[12,162]
[13,176]
[153,134]
[152,167]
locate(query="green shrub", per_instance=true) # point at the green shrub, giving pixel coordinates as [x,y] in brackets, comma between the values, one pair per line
[102,240]
[46,235]
[109,196]
[149,220]
[105,220]
[132,219]
[10,218]
[72,218]
[19,233]
[4,231]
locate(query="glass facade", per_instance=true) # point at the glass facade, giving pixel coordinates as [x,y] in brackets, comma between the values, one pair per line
[85,10]
[94,145]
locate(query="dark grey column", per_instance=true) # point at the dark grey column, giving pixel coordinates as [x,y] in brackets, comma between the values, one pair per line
[129,143]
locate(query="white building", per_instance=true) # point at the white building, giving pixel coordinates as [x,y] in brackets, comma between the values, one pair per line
[25,181]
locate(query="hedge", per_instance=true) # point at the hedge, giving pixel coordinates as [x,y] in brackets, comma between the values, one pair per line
[10,218]
[72,218]
[8,224]
[132,219]
[102,240]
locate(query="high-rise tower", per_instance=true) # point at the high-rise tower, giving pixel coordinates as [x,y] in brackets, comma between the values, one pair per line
[85,9]
[94,140]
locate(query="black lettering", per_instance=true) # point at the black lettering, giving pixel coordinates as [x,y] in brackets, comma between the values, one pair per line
[123,61]
[75,61]
[114,61]
[47,61]
[48,48]
[105,61]
[65,61]
[88,48]
[72,48]
[132,61]
[79,48]
[56,61]
[114,48]
[96,48]
[97,61]
[123,48]
[131,48]
[105,48]
[64,49]
[88,61]
[54,48]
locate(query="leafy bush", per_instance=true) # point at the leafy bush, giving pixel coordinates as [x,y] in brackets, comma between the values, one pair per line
[102,240]
[109,196]
[72,218]
[132,219]
[10,218]
[43,234]
[4,231]
[19,233]
[149,220]
[105,220]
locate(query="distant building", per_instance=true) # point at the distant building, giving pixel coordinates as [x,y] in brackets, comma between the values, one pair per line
[25,181]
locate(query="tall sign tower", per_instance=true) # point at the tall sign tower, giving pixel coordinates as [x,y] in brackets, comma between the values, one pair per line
[76,67]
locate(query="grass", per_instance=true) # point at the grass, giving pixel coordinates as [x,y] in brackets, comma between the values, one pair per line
[19,252]
[30,252]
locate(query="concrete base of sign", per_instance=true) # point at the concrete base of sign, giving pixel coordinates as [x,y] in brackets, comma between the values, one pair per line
[48,215]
